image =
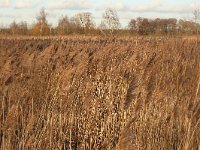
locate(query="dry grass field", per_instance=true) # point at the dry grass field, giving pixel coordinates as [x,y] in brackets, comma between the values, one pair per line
[97,93]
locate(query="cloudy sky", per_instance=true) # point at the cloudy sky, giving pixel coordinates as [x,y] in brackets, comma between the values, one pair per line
[20,10]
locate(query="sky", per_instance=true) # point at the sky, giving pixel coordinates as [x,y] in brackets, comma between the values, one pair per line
[26,10]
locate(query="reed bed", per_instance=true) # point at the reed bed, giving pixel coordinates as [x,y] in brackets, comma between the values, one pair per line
[100,93]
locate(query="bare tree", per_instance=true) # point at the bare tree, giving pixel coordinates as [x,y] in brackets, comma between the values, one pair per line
[111,20]
[102,28]
[75,25]
[196,14]
[171,25]
[23,28]
[85,20]
[143,25]
[42,16]
[63,25]
[41,27]
[132,25]
[14,28]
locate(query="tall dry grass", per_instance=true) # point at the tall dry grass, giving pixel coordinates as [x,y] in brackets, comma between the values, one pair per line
[96,93]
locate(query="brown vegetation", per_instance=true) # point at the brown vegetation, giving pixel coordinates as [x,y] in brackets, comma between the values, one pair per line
[95,93]
[83,23]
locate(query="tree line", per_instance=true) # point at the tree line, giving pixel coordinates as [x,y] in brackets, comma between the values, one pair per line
[83,23]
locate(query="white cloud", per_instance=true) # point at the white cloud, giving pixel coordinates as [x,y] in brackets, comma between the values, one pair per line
[70,4]
[117,6]
[152,6]
[22,4]
[176,8]
[5,3]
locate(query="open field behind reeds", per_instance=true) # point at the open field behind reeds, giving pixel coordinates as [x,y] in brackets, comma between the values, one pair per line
[99,93]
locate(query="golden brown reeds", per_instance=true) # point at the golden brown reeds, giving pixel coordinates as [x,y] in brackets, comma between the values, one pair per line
[94,93]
